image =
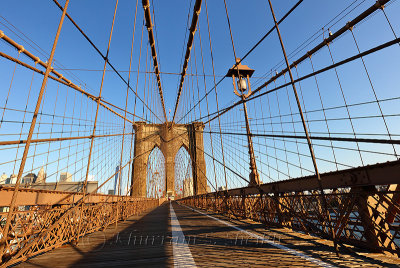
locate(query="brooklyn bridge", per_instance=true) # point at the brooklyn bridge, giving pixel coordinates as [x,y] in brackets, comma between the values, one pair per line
[219,133]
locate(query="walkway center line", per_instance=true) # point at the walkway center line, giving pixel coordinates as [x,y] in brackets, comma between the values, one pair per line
[182,255]
[270,242]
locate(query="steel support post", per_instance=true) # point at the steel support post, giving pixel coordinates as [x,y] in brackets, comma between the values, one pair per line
[373,210]
[125,111]
[328,216]
[254,176]
[95,122]
[6,229]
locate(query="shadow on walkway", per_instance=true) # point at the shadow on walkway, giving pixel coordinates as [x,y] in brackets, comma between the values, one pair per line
[142,241]
[145,242]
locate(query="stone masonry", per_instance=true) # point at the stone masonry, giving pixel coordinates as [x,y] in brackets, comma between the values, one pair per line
[169,138]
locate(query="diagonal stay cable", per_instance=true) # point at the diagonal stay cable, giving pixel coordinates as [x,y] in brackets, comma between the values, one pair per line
[245,56]
[260,190]
[352,58]
[104,57]
[378,5]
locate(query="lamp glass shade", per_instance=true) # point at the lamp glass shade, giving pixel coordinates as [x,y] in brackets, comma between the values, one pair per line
[242,84]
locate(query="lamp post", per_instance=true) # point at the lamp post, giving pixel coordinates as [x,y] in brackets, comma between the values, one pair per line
[240,75]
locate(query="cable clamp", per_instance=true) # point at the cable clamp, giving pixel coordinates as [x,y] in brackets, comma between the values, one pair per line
[21,49]
[379,5]
[349,26]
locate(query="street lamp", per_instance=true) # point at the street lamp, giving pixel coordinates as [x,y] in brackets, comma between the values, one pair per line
[240,76]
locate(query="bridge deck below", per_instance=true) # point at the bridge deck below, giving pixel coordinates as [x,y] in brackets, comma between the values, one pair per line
[174,235]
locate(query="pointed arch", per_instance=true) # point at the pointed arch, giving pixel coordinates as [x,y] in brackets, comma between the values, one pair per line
[170,139]
[183,172]
[155,175]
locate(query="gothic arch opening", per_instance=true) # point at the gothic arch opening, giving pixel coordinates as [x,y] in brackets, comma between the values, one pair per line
[155,181]
[177,166]
[183,173]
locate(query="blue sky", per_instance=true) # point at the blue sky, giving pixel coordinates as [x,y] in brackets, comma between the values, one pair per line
[249,20]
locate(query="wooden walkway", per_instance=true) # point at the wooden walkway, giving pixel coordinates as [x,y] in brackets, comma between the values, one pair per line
[195,239]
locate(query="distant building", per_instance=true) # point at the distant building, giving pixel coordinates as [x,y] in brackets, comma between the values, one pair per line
[222,188]
[65,177]
[73,186]
[12,179]
[3,179]
[208,189]
[41,177]
[29,178]
[188,187]
[117,173]
[111,192]
[32,181]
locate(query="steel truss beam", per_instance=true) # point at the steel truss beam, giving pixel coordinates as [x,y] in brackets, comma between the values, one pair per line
[378,174]
[36,197]
[363,203]
[43,228]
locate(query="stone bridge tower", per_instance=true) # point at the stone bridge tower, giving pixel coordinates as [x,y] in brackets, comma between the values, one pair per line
[169,138]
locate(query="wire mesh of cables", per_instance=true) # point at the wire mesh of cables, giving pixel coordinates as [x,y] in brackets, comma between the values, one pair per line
[83,133]
[345,75]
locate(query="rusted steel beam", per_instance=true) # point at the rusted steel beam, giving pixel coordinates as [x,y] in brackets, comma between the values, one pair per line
[360,215]
[36,197]
[71,215]
[378,174]
[36,59]
[149,25]
[192,31]
[47,228]
[60,139]
[331,138]
[394,203]
[372,209]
